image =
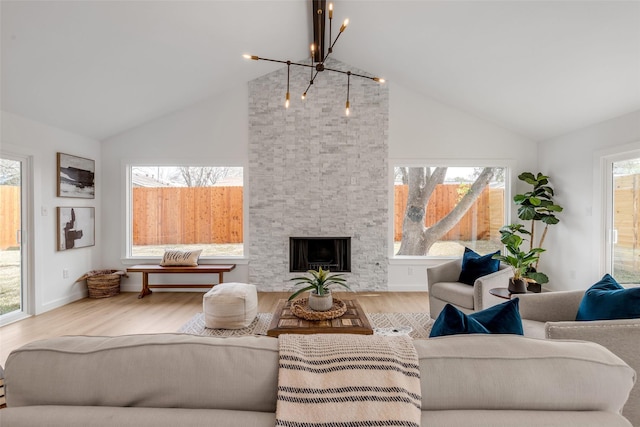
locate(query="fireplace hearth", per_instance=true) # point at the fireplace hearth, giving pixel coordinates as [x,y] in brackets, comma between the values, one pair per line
[311,253]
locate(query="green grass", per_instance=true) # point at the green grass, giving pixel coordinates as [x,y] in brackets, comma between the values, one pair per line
[9,281]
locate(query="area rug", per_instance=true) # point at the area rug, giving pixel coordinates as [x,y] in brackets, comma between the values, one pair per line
[416,325]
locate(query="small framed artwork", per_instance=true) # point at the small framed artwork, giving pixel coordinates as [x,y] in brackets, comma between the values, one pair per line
[76,177]
[76,228]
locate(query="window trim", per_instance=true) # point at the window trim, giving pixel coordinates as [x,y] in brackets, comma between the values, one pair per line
[509,179]
[127,214]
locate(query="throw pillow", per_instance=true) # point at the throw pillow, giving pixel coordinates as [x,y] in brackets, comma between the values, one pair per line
[500,319]
[180,258]
[607,300]
[475,265]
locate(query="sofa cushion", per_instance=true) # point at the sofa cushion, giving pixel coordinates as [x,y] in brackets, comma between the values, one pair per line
[475,265]
[453,292]
[503,372]
[500,319]
[154,370]
[607,300]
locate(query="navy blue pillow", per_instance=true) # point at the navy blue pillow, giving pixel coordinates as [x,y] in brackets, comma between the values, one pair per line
[475,265]
[500,319]
[607,300]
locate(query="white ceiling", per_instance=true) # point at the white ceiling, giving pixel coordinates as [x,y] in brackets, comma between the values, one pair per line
[539,68]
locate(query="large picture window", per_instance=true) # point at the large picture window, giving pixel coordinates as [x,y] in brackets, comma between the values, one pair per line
[438,210]
[185,207]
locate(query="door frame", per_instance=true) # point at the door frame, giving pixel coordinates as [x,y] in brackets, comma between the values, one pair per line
[27,292]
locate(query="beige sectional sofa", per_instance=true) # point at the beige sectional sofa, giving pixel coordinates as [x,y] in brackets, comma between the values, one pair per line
[176,379]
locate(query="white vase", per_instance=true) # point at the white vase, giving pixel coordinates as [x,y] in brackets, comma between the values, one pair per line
[320,302]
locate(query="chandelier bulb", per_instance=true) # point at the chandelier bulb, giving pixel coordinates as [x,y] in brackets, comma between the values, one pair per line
[254,57]
[346,111]
[379,80]
[286,102]
[330,10]
[344,25]
[304,96]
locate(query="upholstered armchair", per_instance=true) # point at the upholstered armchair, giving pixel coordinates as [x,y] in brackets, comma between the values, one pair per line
[444,288]
[552,315]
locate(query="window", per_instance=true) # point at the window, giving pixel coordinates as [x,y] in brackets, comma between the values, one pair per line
[185,207]
[623,217]
[438,210]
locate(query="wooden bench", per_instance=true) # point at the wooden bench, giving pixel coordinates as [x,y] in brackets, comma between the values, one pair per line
[147,269]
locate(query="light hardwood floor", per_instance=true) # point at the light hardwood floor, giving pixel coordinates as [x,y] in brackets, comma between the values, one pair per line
[163,312]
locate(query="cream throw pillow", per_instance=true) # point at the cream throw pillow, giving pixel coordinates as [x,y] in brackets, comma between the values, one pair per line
[180,258]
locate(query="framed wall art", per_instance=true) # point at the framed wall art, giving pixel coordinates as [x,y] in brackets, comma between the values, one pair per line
[76,177]
[76,228]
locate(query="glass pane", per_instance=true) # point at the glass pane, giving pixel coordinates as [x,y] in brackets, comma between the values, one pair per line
[438,213]
[10,245]
[187,208]
[626,221]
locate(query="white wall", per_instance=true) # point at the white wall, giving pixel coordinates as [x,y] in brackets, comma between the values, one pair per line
[41,142]
[211,132]
[217,130]
[424,129]
[573,259]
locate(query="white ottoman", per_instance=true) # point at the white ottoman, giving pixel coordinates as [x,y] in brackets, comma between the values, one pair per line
[230,306]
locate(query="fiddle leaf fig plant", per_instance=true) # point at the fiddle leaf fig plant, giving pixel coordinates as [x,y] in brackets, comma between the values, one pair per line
[520,261]
[320,281]
[537,205]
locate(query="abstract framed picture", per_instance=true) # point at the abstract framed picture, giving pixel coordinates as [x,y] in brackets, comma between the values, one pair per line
[76,177]
[76,228]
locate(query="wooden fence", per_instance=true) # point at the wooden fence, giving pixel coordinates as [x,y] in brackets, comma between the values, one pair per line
[482,221]
[185,215]
[626,203]
[9,215]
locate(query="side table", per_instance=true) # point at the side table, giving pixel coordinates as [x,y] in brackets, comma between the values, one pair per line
[503,293]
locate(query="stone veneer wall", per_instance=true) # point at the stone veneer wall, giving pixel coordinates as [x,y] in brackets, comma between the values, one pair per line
[314,172]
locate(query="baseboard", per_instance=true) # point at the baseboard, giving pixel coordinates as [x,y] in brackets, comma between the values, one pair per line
[62,301]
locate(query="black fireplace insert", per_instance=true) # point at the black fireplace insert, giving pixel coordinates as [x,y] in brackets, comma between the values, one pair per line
[329,253]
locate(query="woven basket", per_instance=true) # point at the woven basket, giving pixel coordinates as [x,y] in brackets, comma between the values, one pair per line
[103,283]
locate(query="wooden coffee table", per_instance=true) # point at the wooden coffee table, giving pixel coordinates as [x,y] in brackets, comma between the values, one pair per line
[354,321]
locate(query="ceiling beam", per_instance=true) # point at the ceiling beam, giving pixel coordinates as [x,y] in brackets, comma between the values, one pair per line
[318,11]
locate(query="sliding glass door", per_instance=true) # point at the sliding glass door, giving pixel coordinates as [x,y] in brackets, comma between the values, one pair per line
[13,246]
[623,254]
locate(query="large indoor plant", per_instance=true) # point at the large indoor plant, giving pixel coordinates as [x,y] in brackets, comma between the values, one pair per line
[519,260]
[320,298]
[536,206]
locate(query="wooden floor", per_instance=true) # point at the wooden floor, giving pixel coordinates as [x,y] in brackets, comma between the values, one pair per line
[163,312]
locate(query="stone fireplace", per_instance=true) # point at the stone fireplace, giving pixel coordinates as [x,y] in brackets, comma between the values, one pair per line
[314,172]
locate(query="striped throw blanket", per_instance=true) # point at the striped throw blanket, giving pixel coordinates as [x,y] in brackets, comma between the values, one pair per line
[336,380]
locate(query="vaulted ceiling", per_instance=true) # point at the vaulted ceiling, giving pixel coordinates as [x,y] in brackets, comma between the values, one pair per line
[538,68]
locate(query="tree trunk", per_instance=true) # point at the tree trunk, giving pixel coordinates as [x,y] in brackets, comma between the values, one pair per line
[417,239]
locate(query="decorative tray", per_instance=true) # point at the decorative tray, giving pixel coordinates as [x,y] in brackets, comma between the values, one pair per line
[300,308]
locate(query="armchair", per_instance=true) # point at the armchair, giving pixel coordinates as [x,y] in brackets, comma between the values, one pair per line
[552,315]
[444,288]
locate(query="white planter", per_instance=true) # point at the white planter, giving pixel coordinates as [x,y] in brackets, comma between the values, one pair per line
[320,302]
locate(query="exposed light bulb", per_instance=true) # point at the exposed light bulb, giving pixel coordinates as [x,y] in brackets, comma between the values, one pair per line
[379,80]
[254,57]
[313,48]
[330,10]
[304,96]
[286,103]
[344,25]
[346,111]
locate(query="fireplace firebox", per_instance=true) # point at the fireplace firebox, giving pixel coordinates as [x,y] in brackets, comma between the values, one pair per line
[310,253]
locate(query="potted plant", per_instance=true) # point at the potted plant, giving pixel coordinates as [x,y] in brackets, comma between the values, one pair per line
[320,298]
[519,261]
[537,205]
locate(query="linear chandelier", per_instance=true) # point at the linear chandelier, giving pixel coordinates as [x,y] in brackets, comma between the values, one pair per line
[318,58]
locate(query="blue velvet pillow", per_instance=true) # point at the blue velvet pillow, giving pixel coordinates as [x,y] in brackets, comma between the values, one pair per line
[475,265]
[607,300]
[500,319]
